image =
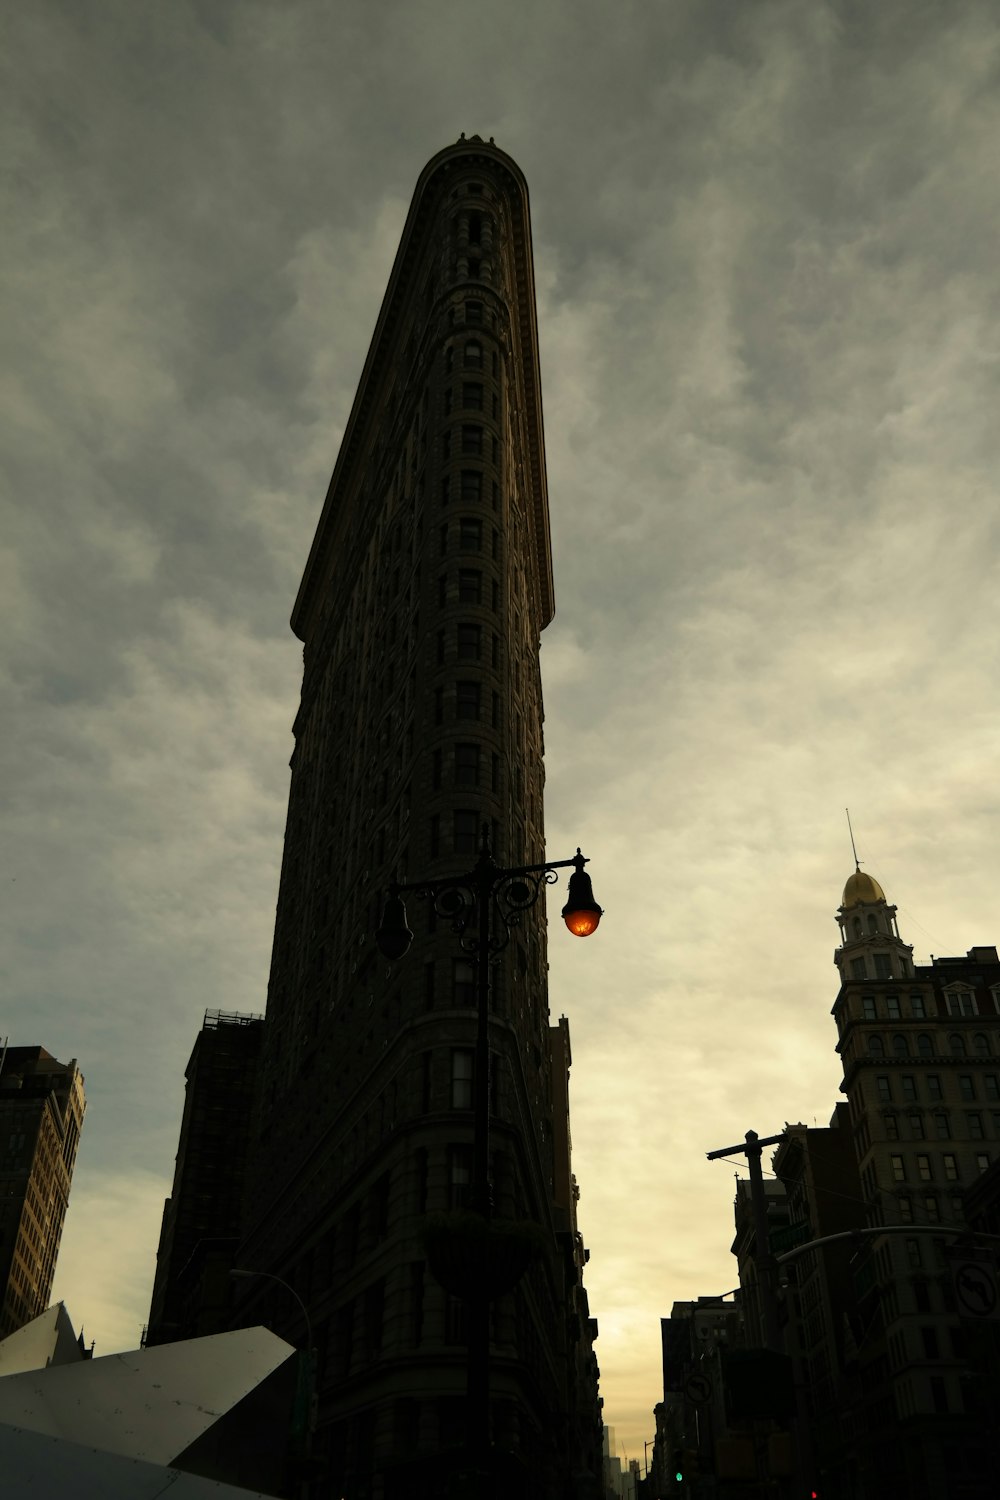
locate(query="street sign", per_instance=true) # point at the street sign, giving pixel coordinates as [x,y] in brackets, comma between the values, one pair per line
[975,1284]
[698,1388]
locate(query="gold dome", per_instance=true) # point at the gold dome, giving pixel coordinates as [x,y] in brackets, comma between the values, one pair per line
[861,887]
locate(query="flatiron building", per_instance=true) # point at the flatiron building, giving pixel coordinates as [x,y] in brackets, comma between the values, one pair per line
[425,592]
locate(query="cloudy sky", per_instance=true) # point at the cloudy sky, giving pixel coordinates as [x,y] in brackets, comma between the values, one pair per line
[765,244]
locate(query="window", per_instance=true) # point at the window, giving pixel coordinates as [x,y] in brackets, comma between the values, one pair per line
[463,983]
[868,1007]
[466,765]
[933,1086]
[892,1007]
[446,445]
[470,534]
[992,1086]
[966,1087]
[475,228]
[445,486]
[891,1128]
[982,1162]
[474,313]
[909,1087]
[974,1127]
[917,1007]
[472,440]
[435,835]
[898,1168]
[899,1046]
[875,1047]
[939,1393]
[439,705]
[467,700]
[916,1127]
[956,1045]
[470,586]
[461,1078]
[924,1168]
[905,1210]
[925,1045]
[472,486]
[922,1296]
[913,1253]
[883,966]
[472,395]
[473,355]
[469,637]
[930,1340]
[884,1089]
[466,831]
[950,1167]
[931,1209]
[942,1127]
[436,771]
[459,1174]
[980,1045]
[962,1003]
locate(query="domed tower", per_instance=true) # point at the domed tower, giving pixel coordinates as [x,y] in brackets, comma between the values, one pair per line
[871,947]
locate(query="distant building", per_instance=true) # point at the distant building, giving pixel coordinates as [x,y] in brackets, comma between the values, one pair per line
[203,1216]
[692,1425]
[920,1047]
[41,1114]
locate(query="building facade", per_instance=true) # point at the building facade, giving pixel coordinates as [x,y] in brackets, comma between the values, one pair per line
[42,1105]
[920,1047]
[203,1217]
[425,593]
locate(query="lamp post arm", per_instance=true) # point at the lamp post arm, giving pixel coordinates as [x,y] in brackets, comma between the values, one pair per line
[474,879]
[269,1276]
[937,1231]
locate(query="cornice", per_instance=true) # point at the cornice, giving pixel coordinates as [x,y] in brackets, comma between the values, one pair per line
[401,288]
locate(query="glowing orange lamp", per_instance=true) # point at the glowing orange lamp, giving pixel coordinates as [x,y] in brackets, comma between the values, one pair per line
[581,912]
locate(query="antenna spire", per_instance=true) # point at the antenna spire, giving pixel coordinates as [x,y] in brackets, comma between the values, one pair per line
[857,862]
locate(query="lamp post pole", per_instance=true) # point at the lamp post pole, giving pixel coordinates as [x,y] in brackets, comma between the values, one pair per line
[470,902]
[307,1371]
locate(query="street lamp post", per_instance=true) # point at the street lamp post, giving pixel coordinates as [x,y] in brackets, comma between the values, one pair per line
[306,1393]
[483,904]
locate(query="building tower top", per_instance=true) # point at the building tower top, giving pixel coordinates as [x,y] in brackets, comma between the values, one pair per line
[871,945]
[861,888]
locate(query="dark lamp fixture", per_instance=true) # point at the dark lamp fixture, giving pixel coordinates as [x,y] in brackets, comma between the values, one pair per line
[393,937]
[581,912]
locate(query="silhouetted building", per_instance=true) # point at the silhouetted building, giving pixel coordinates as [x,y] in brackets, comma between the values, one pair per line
[920,1048]
[203,1217]
[41,1114]
[426,589]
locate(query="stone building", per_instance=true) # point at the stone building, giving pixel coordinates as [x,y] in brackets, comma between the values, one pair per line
[920,1047]
[41,1114]
[203,1217]
[424,596]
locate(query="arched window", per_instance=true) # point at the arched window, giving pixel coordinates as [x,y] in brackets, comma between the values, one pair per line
[899,1046]
[473,357]
[925,1045]
[872,924]
[857,927]
[956,1045]
[875,1047]
[980,1045]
